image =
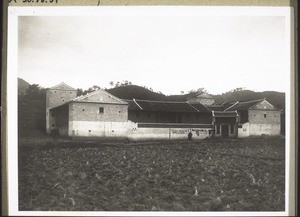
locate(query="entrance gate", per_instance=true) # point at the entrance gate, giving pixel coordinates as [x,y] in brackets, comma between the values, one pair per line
[225,131]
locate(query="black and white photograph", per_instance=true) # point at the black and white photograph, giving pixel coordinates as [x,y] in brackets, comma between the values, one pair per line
[149,110]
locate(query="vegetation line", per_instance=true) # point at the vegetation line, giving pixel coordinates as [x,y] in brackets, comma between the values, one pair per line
[133,145]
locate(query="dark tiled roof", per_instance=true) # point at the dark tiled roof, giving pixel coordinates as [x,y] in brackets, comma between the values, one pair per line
[244,105]
[225,114]
[132,106]
[216,107]
[164,106]
[201,108]
[174,125]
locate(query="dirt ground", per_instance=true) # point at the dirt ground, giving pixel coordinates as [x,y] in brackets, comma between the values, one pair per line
[210,175]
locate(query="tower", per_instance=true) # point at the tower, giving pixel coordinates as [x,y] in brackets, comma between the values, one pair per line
[56,96]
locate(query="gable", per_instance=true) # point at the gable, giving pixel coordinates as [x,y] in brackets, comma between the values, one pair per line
[62,86]
[264,105]
[100,96]
[204,96]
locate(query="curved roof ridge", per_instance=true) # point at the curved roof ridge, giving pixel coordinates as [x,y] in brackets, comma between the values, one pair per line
[95,92]
[62,84]
[258,100]
[161,101]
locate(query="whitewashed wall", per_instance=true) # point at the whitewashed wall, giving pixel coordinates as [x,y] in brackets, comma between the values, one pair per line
[132,131]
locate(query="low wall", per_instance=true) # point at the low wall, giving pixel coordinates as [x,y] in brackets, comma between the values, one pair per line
[100,129]
[168,133]
[267,129]
[258,130]
[131,131]
[244,131]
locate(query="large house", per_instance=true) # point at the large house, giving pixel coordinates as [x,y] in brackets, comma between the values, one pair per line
[101,114]
[257,117]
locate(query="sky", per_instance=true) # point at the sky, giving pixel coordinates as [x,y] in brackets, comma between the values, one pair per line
[169,53]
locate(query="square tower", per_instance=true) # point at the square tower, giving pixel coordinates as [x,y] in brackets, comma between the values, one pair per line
[56,96]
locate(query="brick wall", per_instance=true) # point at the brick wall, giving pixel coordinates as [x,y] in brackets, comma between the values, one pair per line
[202,101]
[264,117]
[55,97]
[80,111]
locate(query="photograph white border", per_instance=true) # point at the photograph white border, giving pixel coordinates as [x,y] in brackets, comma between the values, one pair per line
[12,75]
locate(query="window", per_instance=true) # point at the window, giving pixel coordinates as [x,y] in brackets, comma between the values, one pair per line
[137,114]
[265,115]
[187,116]
[218,129]
[53,125]
[148,114]
[83,110]
[101,110]
[53,115]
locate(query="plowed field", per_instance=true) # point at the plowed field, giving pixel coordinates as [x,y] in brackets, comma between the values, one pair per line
[212,175]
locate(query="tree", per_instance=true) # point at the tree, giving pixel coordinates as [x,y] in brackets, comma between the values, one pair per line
[79,92]
[91,89]
[111,83]
[35,90]
[202,90]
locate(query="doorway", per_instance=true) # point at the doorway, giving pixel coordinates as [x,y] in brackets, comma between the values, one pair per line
[225,131]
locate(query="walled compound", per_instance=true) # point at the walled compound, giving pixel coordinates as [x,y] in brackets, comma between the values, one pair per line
[101,114]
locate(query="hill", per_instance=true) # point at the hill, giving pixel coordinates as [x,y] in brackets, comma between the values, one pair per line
[136,92]
[22,86]
[32,106]
[275,98]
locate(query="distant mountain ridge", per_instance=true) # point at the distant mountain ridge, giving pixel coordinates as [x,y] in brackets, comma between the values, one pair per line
[22,86]
[138,92]
[32,103]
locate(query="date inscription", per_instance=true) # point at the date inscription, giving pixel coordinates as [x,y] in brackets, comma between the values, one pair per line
[34,1]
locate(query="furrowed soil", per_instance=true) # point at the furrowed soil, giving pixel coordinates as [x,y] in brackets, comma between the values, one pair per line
[212,175]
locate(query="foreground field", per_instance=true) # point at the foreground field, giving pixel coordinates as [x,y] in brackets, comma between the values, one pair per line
[229,175]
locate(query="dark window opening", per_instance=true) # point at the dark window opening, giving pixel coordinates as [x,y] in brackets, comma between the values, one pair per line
[137,114]
[101,110]
[218,129]
[83,110]
[231,128]
[90,131]
[53,125]
[265,115]
[188,116]
[148,115]
[198,116]
[53,115]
